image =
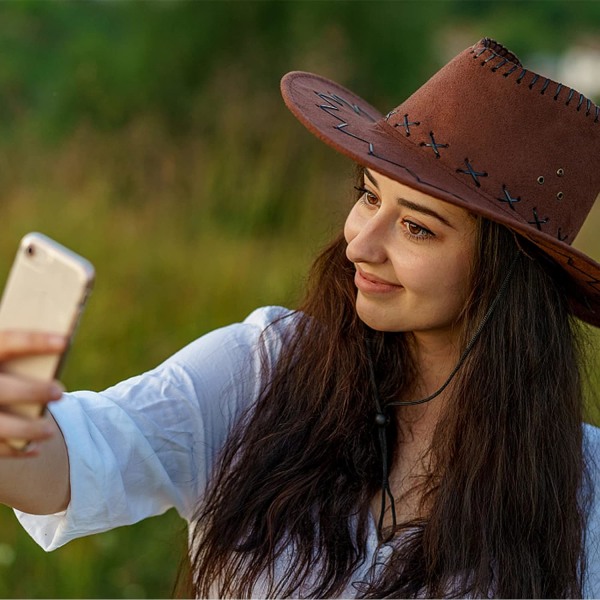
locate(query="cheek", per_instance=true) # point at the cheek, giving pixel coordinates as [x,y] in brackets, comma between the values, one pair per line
[439,277]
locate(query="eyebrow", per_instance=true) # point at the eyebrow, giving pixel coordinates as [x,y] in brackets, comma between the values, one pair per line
[412,205]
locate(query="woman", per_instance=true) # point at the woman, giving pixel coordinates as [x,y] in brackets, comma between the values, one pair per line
[415,429]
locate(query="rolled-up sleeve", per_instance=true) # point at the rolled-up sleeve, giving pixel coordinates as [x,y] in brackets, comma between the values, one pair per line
[150,443]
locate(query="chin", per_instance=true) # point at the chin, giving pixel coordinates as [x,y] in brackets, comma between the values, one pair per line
[378,320]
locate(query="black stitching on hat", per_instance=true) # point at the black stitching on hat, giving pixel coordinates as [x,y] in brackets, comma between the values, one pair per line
[508,198]
[499,65]
[407,124]
[521,75]
[597,112]
[434,145]
[558,88]
[570,96]
[534,80]
[561,238]
[334,98]
[546,84]
[392,112]
[474,174]
[537,221]
[510,71]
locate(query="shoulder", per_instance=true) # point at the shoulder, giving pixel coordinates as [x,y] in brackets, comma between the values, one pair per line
[591,457]
[591,449]
[261,334]
[591,446]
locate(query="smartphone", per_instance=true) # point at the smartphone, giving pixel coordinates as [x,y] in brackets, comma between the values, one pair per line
[46,291]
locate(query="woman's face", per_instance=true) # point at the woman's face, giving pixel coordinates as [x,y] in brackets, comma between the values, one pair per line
[413,255]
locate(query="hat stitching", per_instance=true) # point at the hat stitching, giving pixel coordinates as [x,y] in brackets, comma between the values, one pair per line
[510,72]
[474,174]
[537,221]
[434,145]
[508,198]
[560,238]
[478,54]
[504,61]
[533,81]
[342,127]
[559,86]
[571,93]
[546,84]
[406,124]
[342,102]
[494,46]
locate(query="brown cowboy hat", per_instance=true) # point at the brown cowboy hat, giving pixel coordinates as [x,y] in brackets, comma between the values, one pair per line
[485,134]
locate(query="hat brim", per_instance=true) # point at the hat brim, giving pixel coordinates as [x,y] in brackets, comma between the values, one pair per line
[353,127]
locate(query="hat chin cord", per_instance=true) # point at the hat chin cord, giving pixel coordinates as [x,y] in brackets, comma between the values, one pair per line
[382,419]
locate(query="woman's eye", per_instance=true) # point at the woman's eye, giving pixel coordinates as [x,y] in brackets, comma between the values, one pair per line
[367,197]
[417,231]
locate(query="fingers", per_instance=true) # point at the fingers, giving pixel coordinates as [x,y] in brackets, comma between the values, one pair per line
[21,343]
[18,390]
[21,399]
[13,427]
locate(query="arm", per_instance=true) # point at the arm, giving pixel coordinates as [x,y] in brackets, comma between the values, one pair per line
[36,480]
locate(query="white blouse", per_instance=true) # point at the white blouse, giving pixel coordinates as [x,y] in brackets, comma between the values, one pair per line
[149,443]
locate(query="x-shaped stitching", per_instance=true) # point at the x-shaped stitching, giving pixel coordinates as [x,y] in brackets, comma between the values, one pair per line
[434,145]
[407,125]
[508,198]
[537,221]
[474,174]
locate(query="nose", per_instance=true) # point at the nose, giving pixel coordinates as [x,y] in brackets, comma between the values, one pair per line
[366,238]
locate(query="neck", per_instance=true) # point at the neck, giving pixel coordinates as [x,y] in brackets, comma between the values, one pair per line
[435,355]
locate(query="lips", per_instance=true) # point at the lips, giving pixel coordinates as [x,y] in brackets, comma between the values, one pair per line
[371,284]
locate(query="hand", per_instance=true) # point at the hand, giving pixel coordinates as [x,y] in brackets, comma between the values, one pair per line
[15,391]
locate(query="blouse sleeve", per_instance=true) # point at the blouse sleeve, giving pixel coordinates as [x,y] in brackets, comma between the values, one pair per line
[592,536]
[149,443]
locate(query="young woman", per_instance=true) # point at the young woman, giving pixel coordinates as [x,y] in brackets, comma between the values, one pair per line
[415,428]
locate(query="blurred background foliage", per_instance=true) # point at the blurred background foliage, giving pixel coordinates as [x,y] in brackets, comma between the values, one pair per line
[150,137]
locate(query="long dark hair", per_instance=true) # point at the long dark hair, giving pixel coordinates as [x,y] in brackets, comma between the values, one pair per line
[505,513]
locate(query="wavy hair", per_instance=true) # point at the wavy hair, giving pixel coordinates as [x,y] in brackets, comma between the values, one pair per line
[505,512]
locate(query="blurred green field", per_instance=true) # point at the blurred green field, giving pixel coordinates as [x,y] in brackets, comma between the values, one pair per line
[151,138]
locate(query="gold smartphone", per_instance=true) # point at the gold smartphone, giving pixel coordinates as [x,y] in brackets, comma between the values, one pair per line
[46,291]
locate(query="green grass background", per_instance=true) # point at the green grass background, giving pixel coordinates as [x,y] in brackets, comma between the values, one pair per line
[151,138]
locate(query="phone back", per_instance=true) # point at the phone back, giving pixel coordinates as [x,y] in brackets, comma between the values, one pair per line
[46,288]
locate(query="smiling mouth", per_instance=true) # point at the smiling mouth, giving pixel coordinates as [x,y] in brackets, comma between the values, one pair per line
[368,283]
